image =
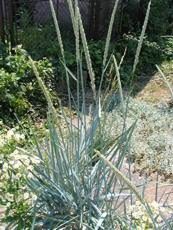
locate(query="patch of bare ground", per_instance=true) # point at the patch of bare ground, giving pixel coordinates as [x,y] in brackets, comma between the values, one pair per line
[153,186]
[155,91]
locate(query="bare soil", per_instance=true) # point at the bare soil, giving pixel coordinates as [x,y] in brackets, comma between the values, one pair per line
[155,91]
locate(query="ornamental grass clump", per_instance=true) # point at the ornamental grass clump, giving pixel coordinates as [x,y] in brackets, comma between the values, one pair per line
[78,181]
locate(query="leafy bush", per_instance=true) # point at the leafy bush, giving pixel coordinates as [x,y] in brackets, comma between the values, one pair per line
[161,11]
[160,21]
[167,46]
[153,52]
[40,40]
[36,40]
[19,89]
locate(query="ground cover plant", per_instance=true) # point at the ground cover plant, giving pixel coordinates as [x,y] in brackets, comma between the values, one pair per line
[14,163]
[72,179]
[151,142]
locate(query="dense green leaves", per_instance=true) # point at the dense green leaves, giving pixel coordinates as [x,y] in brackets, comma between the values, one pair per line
[134,12]
[19,89]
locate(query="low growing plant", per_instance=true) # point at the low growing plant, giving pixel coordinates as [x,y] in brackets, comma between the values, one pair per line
[15,198]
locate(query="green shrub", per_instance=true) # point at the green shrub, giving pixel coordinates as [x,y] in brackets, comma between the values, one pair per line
[153,52]
[160,21]
[161,11]
[39,41]
[19,89]
[166,43]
